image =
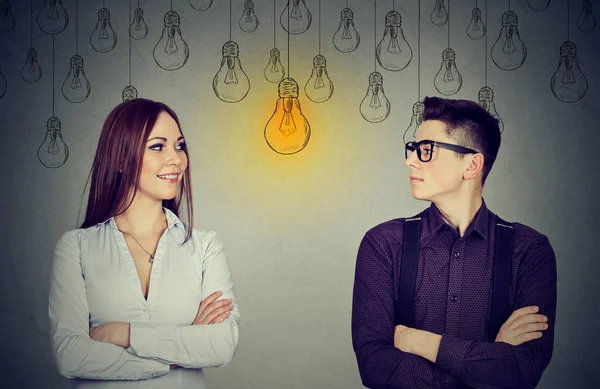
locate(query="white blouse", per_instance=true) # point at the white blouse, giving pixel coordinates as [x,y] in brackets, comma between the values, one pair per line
[95,281]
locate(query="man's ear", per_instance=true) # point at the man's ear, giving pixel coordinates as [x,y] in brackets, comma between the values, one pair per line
[475,166]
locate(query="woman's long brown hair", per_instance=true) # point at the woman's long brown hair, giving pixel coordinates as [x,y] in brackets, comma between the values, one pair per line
[118,163]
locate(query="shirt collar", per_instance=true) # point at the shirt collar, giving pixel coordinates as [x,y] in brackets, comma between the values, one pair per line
[480,223]
[172,220]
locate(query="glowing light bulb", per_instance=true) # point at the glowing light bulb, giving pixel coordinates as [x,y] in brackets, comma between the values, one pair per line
[231,84]
[7,20]
[31,71]
[138,29]
[509,51]
[53,152]
[486,100]
[439,15]
[287,131]
[104,38]
[586,21]
[346,38]
[568,83]
[393,52]
[538,5]
[375,106]
[76,87]
[3,85]
[319,86]
[448,80]
[53,17]
[201,5]
[129,93]
[171,52]
[274,72]
[299,17]
[248,21]
[415,122]
[476,28]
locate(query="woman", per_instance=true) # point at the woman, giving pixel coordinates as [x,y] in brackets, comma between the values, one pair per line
[135,293]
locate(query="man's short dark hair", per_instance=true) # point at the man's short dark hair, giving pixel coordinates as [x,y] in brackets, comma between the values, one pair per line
[469,124]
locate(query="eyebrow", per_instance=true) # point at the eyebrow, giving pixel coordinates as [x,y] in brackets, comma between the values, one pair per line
[162,138]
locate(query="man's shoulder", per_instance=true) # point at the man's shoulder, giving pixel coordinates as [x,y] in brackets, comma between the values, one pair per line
[526,234]
[391,230]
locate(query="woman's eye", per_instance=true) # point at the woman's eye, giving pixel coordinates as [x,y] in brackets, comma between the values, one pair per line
[157,147]
[181,146]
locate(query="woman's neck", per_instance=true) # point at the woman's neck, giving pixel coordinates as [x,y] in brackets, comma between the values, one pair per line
[144,217]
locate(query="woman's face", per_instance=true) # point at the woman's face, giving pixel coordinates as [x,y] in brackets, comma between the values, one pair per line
[164,161]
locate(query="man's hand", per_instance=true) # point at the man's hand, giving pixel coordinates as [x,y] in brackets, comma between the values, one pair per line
[115,332]
[419,342]
[522,326]
[211,311]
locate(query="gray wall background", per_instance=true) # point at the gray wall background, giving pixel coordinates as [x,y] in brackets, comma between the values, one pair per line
[291,225]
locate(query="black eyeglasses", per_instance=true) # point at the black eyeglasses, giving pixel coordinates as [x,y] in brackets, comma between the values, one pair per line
[425,149]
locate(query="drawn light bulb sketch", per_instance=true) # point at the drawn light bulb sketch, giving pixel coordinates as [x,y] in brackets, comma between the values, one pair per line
[138,28]
[53,152]
[538,5]
[104,38]
[476,28]
[586,21]
[319,86]
[439,15]
[274,72]
[248,21]
[375,106]
[201,5]
[3,85]
[415,122]
[53,17]
[486,100]
[31,71]
[231,84]
[448,80]
[129,93]
[7,20]
[171,52]
[568,83]
[393,52]
[346,39]
[509,51]
[287,131]
[76,87]
[299,17]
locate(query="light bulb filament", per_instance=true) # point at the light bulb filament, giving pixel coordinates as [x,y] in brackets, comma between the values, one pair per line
[231,76]
[319,80]
[448,75]
[274,67]
[76,80]
[138,23]
[103,32]
[394,46]
[248,16]
[346,34]
[569,77]
[375,101]
[171,46]
[509,45]
[296,14]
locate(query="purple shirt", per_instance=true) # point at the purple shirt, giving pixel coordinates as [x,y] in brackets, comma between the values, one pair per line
[453,299]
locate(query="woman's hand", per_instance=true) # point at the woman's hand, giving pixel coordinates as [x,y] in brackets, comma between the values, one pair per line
[115,332]
[211,311]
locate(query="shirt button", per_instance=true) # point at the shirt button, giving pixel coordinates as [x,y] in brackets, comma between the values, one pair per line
[456,255]
[454,298]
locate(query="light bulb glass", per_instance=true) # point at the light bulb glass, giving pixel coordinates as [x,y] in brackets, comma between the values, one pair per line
[201,5]
[7,20]
[476,28]
[104,38]
[568,83]
[129,93]
[299,17]
[248,21]
[346,38]
[393,52]
[76,87]
[171,52]
[319,86]
[3,85]
[439,15]
[231,84]
[586,21]
[509,51]
[415,122]
[287,131]
[538,5]
[53,17]
[31,71]
[375,106]
[448,80]
[486,100]
[274,72]
[53,152]
[138,28]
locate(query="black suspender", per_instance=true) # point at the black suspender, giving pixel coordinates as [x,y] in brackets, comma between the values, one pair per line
[405,313]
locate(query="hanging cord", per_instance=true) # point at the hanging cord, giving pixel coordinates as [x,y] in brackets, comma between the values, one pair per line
[274,18]
[509,5]
[486,44]
[53,66]
[229,19]
[288,40]
[319,27]
[31,23]
[419,54]
[130,45]
[77,27]
[448,23]
[568,21]
[375,38]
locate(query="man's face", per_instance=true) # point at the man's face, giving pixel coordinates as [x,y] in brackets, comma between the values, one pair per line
[443,174]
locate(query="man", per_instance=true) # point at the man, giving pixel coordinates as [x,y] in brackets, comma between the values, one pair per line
[450,345]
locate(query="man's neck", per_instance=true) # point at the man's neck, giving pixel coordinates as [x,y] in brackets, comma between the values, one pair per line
[143,217]
[460,212]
